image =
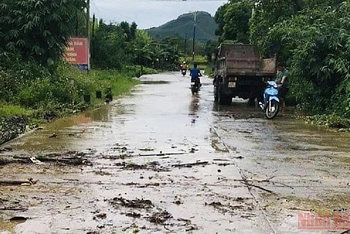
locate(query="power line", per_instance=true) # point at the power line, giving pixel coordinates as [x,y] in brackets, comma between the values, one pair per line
[95,6]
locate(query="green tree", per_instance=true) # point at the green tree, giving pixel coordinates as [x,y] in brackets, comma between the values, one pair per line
[143,49]
[37,29]
[210,50]
[133,30]
[110,47]
[315,42]
[266,14]
[219,19]
[233,20]
[129,30]
[170,52]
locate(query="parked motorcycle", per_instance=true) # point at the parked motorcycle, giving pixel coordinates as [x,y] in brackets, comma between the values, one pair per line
[271,103]
[183,72]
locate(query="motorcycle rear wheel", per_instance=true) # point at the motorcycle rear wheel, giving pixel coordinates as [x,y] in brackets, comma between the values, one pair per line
[272,111]
[194,89]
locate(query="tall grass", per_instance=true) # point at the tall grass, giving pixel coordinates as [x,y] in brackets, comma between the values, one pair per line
[62,92]
[8,110]
[102,80]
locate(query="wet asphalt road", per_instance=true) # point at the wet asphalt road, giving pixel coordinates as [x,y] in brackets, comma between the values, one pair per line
[164,161]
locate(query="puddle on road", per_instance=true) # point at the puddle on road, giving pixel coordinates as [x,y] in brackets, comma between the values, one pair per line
[64,133]
[151,82]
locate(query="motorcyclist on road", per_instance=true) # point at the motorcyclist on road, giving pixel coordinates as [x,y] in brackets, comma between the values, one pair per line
[195,73]
[183,66]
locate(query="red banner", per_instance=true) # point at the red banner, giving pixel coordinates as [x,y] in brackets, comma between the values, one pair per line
[77,51]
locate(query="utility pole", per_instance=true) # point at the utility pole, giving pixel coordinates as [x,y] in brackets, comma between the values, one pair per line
[194,33]
[76,24]
[93,37]
[185,50]
[88,30]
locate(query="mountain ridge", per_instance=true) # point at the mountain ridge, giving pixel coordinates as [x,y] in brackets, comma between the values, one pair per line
[183,26]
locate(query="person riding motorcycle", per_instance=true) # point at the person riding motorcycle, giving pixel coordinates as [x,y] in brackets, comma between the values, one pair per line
[195,73]
[183,66]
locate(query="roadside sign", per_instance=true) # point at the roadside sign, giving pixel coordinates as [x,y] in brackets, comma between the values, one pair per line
[77,53]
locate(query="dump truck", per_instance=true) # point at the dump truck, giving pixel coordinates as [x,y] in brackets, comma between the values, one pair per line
[241,72]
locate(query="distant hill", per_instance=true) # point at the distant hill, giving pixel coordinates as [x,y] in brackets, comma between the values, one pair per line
[183,26]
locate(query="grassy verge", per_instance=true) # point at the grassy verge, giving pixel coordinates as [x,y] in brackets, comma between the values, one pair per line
[118,83]
[9,110]
[79,85]
[332,121]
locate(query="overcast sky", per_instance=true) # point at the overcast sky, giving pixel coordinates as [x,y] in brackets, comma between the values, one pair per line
[149,13]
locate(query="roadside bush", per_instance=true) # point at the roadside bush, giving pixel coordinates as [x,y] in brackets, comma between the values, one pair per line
[51,94]
[61,88]
[9,86]
[36,93]
[16,74]
[332,120]
[24,70]
[74,83]
[316,45]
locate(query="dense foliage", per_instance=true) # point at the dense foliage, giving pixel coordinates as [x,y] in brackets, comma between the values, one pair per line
[37,29]
[313,39]
[33,35]
[33,78]
[233,19]
[117,45]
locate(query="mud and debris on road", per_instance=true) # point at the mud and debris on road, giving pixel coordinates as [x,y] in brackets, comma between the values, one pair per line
[163,161]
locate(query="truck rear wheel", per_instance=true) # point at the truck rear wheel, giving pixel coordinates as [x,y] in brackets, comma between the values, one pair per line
[224,99]
[251,102]
[216,93]
[253,95]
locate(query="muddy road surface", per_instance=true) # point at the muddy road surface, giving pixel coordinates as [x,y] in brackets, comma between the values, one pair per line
[163,161]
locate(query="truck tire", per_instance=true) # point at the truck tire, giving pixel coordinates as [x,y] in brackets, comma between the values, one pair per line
[252,96]
[216,93]
[251,102]
[224,99]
